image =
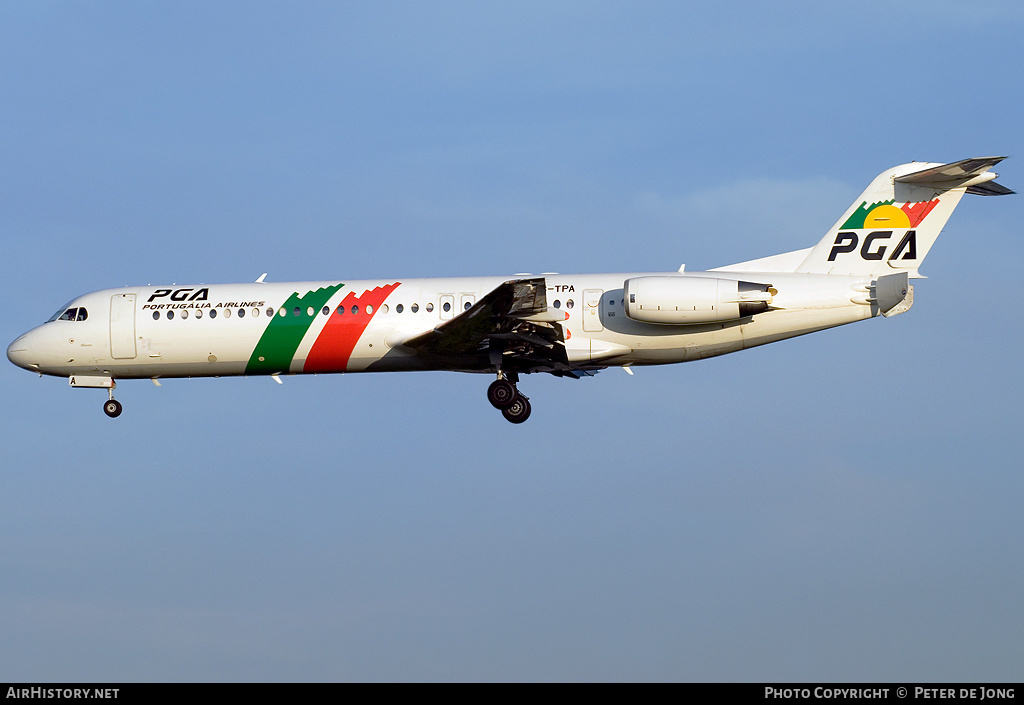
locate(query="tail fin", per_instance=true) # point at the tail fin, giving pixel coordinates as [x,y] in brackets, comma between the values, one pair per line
[895,222]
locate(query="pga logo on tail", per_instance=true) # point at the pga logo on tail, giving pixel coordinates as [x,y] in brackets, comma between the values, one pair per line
[847,242]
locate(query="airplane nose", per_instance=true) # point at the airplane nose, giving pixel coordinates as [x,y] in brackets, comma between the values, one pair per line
[20,353]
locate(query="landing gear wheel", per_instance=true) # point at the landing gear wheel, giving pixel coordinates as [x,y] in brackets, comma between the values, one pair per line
[518,411]
[502,394]
[112,408]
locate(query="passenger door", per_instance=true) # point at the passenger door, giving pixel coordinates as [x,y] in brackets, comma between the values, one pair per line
[122,326]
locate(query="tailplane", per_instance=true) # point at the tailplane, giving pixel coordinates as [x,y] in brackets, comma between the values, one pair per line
[895,222]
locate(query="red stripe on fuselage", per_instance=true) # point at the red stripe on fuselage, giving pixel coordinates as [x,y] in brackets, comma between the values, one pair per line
[334,345]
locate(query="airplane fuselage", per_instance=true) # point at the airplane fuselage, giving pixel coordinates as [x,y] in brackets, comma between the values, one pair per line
[567,325]
[360,326]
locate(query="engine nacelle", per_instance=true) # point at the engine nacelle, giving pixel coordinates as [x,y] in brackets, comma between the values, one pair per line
[678,300]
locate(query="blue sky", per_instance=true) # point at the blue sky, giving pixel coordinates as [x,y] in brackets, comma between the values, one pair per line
[843,506]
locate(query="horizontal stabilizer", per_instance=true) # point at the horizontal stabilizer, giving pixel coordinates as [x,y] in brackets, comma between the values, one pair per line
[989,189]
[966,172]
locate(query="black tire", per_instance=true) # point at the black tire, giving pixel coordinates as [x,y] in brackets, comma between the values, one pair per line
[502,394]
[112,408]
[518,411]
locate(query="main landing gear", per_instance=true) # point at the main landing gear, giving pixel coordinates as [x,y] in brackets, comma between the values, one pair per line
[504,396]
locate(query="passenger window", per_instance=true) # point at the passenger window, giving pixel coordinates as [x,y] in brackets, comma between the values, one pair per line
[199,313]
[241,313]
[82,314]
[469,305]
[170,315]
[256,312]
[568,304]
[325,310]
[369,309]
[383,308]
[340,310]
[213,313]
[557,304]
[184,314]
[227,313]
[430,307]
[447,307]
[156,315]
[296,311]
[414,308]
[355,310]
[270,312]
[309,310]
[399,308]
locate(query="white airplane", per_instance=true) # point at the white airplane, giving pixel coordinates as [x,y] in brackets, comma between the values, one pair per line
[568,325]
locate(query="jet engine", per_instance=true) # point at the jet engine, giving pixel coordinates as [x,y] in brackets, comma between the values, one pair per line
[676,300]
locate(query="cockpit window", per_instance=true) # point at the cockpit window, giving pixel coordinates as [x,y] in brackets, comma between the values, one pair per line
[61,312]
[71,314]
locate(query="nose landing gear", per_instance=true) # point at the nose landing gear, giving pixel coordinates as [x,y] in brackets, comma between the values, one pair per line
[112,407]
[503,395]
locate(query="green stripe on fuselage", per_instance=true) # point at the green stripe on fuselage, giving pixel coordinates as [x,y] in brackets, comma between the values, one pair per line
[281,339]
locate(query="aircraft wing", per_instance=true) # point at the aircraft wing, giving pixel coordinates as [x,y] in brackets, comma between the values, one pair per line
[510,328]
